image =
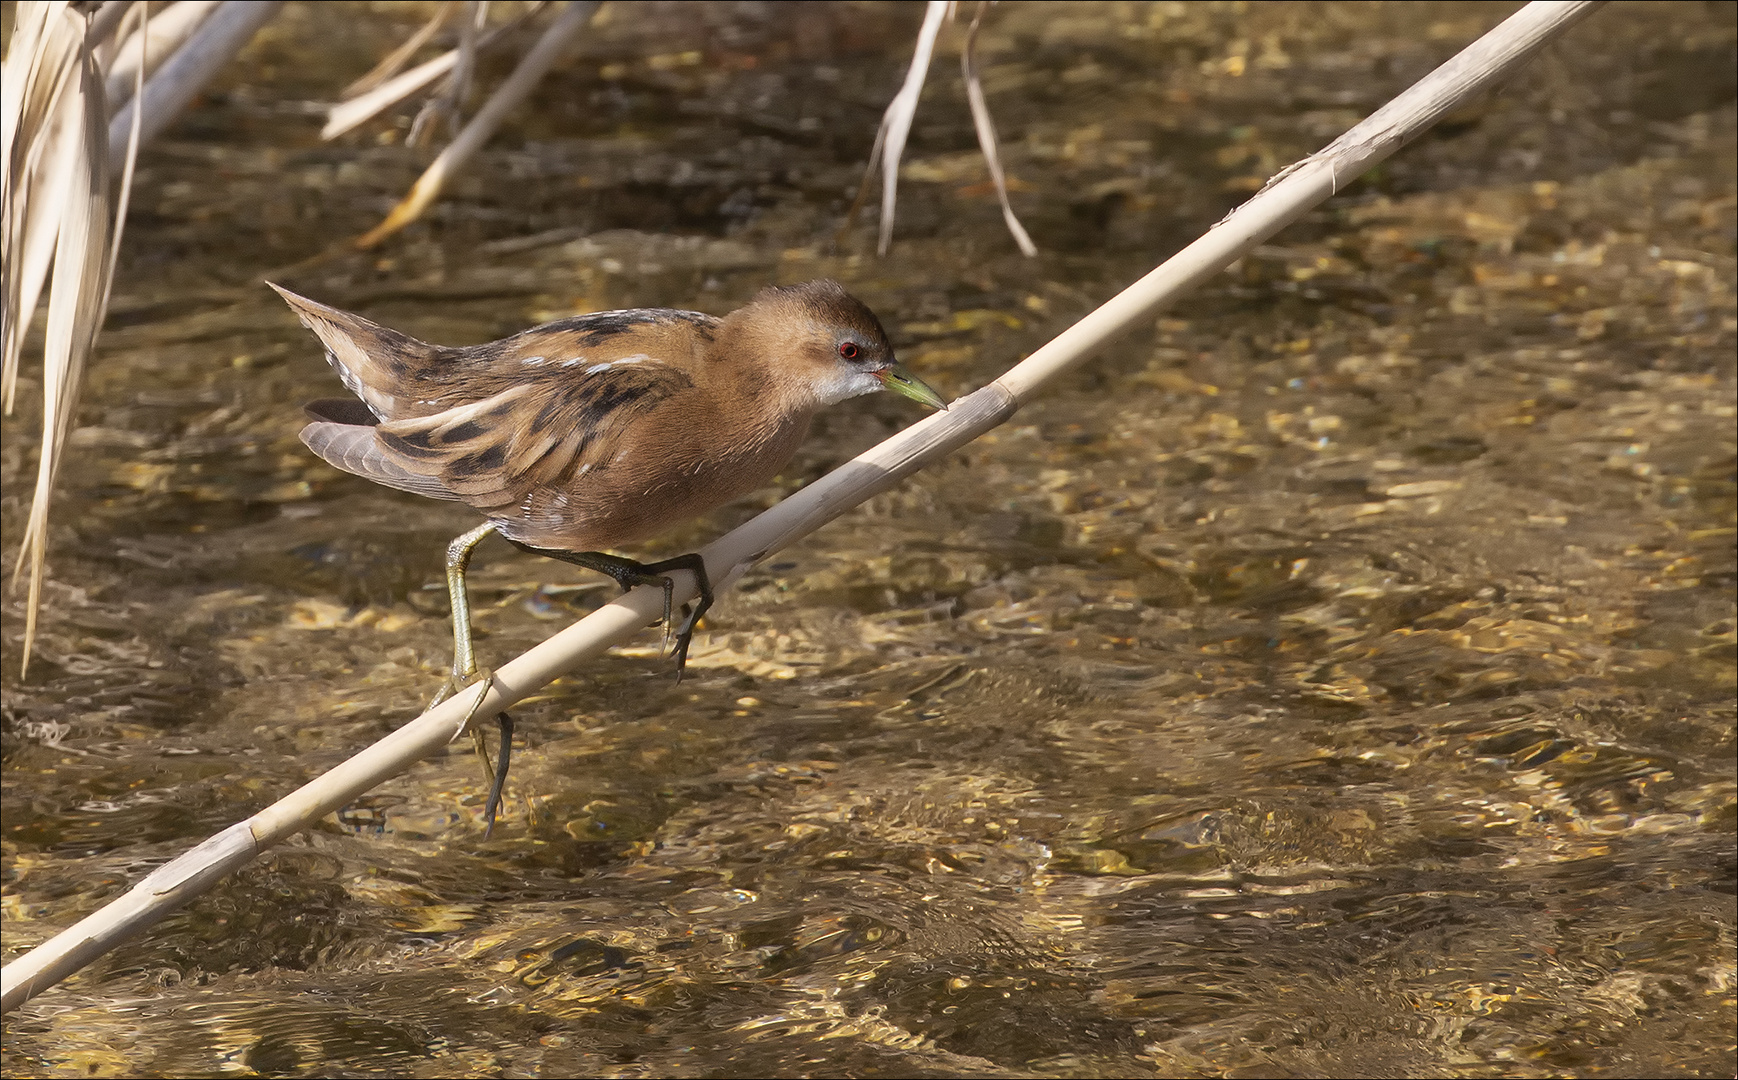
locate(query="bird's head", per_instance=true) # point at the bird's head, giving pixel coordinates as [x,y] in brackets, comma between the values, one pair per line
[823,345]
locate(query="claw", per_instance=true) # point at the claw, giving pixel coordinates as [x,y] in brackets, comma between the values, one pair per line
[684,638]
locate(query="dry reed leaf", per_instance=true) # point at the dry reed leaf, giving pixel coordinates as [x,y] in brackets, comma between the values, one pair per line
[896,121]
[348,115]
[125,196]
[396,59]
[986,129]
[43,55]
[359,110]
[896,125]
[515,90]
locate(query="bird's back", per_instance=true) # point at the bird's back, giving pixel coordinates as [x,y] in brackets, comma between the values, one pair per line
[401,378]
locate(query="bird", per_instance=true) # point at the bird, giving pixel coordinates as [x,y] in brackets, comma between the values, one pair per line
[594,432]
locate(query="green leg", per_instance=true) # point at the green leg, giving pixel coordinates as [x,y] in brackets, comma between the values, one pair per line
[459,554]
[465,670]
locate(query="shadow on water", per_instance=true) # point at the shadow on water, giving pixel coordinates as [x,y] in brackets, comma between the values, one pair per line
[1334,679]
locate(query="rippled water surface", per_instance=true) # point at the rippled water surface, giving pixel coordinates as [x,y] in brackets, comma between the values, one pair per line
[1335,678]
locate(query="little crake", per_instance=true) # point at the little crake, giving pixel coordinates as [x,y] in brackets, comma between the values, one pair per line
[597,431]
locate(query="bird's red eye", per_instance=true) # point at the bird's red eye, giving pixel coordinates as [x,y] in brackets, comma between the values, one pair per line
[849,350]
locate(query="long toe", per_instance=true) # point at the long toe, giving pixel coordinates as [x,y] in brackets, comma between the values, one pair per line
[504,723]
[683,639]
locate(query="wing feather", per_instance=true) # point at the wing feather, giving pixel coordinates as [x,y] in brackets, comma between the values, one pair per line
[354,449]
[541,433]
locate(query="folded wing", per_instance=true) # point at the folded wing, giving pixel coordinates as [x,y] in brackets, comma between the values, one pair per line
[541,433]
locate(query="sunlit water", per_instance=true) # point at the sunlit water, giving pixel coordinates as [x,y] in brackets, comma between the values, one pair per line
[1336,678]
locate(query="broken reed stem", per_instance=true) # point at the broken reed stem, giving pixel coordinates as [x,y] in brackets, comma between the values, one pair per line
[1289,196]
[516,89]
[395,60]
[374,100]
[987,132]
[370,103]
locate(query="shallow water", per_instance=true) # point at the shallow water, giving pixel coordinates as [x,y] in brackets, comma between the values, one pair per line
[1335,679]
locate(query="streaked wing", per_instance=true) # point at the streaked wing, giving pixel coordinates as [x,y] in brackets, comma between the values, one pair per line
[542,432]
[576,347]
[614,331]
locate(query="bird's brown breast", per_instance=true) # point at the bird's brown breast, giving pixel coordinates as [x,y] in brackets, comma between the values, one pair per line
[660,477]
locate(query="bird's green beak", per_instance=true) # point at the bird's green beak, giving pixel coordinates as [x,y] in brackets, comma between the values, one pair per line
[895,378]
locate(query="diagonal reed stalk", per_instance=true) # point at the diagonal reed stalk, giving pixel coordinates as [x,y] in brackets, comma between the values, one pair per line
[506,98]
[375,98]
[169,28]
[215,43]
[1292,193]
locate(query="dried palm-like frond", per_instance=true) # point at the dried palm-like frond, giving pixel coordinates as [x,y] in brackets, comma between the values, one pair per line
[57,185]
[56,207]
[44,56]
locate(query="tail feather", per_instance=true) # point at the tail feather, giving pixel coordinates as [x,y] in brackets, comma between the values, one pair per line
[378,364]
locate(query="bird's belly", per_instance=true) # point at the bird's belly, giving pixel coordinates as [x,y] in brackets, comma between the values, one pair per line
[611,507]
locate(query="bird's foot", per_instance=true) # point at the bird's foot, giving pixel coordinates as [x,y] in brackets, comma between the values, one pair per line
[628,573]
[695,565]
